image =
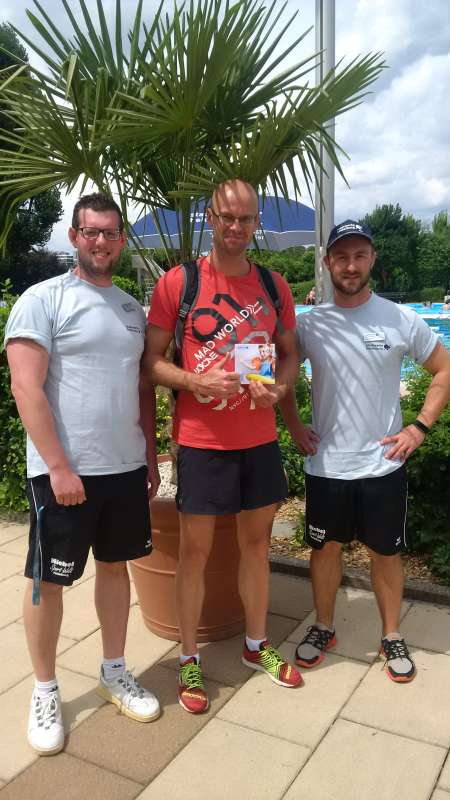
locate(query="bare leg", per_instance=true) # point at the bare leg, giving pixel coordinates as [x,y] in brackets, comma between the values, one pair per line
[326,573]
[42,627]
[253,529]
[387,582]
[112,601]
[196,539]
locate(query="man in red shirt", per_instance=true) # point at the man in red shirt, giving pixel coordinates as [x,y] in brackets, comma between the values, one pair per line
[229,460]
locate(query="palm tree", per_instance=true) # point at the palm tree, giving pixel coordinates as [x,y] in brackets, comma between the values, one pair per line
[199,95]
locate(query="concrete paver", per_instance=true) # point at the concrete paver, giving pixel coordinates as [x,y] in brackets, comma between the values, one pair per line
[357,623]
[225,760]
[359,763]
[444,778]
[72,780]
[289,596]
[11,597]
[140,751]
[10,565]
[79,701]
[143,649]
[299,715]
[348,733]
[428,627]
[17,546]
[11,530]
[411,709]
[16,663]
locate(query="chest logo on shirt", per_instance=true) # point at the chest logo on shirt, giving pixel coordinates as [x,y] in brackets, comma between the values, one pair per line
[375,341]
[128,307]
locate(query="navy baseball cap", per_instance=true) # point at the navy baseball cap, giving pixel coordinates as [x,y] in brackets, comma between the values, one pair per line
[349,228]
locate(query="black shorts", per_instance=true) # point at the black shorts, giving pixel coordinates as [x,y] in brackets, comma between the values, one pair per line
[372,510]
[114,520]
[229,481]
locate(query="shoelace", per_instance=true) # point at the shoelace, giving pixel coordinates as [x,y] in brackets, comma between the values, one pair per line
[317,637]
[395,648]
[45,709]
[271,659]
[191,676]
[130,684]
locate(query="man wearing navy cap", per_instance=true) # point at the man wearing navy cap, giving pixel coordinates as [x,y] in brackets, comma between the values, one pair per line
[356,485]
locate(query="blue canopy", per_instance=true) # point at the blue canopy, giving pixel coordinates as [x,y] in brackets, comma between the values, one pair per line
[283,225]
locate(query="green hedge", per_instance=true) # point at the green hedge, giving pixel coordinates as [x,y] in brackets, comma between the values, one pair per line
[434,294]
[12,435]
[292,459]
[300,290]
[129,286]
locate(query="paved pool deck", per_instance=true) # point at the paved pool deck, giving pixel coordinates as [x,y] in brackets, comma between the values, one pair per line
[349,732]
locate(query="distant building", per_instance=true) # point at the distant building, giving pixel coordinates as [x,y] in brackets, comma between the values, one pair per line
[66,260]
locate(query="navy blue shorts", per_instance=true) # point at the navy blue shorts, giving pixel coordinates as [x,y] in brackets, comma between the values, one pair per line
[114,520]
[229,481]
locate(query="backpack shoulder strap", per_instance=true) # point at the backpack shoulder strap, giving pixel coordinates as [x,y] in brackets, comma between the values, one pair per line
[268,283]
[188,297]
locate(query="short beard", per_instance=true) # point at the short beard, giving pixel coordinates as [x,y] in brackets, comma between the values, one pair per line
[97,272]
[349,291]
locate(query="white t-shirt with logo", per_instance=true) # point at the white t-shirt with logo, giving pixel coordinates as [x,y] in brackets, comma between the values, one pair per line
[95,338]
[356,356]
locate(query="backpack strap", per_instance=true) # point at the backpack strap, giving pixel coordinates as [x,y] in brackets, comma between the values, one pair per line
[267,281]
[188,298]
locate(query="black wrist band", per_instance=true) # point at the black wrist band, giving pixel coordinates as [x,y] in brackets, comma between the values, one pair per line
[421,426]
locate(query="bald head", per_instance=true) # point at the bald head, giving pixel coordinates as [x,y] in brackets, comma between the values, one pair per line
[235,190]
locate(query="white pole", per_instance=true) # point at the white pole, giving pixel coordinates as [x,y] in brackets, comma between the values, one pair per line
[325,42]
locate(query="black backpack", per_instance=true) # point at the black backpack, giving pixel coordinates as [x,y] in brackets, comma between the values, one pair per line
[190,293]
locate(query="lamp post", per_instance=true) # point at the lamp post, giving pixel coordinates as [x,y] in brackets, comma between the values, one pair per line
[325,43]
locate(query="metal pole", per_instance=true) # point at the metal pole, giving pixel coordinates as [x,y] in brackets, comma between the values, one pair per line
[325,41]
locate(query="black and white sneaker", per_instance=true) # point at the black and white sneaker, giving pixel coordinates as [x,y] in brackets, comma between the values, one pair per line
[399,665]
[45,725]
[312,648]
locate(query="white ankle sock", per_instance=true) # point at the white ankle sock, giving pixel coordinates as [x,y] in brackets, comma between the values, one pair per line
[45,687]
[113,668]
[254,644]
[184,658]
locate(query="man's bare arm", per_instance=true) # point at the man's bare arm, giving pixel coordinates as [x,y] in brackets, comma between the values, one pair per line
[147,407]
[409,438]
[28,363]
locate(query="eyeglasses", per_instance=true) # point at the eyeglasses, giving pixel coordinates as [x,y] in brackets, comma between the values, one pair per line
[227,219]
[110,234]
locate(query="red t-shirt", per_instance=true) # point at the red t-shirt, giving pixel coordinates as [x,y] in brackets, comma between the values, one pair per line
[228,310]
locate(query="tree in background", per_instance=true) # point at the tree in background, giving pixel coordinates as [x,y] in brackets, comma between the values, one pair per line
[199,94]
[34,218]
[434,253]
[396,239]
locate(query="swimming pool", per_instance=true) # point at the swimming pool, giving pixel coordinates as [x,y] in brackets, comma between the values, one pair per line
[433,315]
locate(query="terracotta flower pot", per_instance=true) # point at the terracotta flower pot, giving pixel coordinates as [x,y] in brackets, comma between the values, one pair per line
[154,578]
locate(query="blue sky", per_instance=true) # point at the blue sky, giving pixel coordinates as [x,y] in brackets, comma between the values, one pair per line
[398,139]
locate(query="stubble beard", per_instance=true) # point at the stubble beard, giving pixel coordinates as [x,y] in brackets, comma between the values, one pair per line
[349,290]
[93,271]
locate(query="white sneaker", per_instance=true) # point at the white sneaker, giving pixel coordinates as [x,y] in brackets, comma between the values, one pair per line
[130,698]
[45,725]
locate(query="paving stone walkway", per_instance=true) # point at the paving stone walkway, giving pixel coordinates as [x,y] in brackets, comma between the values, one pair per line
[349,732]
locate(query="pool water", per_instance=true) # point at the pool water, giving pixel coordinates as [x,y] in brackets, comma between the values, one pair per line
[433,315]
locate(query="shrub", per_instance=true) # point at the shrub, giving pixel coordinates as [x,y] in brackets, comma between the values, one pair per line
[292,458]
[129,286]
[163,420]
[434,294]
[300,290]
[428,481]
[12,435]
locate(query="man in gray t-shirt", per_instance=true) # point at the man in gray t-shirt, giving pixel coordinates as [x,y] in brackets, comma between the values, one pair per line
[357,446]
[74,346]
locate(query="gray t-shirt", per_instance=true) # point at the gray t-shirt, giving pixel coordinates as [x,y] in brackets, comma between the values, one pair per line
[95,339]
[356,356]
